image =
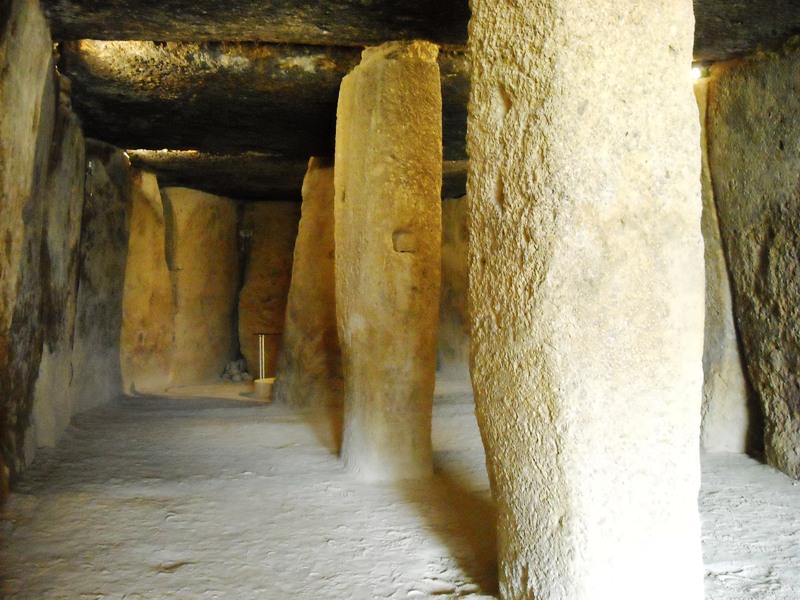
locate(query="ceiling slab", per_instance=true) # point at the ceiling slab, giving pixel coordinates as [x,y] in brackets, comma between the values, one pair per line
[229,98]
[730,28]
[253,176]
[325,22]
[724,28]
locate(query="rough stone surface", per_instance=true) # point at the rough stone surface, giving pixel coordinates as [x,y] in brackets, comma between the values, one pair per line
[586,294]
[388,235]
[725,28]
[254,175]
[97,376]
[309,371]
[453,341]
[270,230]
[753,124]
[28,99]
[726,419]
[203,259]
[181,281]
[147,332]
[63,206]
[273,99]
[335,22]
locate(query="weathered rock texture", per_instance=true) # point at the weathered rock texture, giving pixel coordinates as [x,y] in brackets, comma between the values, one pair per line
[754,150]
[27,101]
[42,171]
[309,369]
[203,258]
[726,416]
[270,230]
[96,367]
[55,309]
[181,282]
[274,99]
[63,203]
[147,332]
[453,340]
[586,294]
[725,28]
[388,235]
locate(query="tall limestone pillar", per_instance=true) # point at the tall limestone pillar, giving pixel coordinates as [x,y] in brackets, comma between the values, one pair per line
[388,230]
[310,362]
[586,294]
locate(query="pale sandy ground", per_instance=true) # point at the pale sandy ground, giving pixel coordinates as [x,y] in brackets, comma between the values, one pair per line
[186,498]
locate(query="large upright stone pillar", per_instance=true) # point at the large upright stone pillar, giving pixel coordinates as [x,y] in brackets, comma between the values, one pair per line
[388,231]
[310,361]
[586,294]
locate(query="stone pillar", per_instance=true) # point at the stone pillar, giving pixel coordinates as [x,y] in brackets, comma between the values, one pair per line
[586,294]
[310,360]
[388,231]
[754,151]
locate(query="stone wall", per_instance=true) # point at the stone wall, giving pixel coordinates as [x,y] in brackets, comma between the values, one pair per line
[103,245]
[64,202]
[754,152]
[181,280]
[726,412]
[203,258]
[28,105]
[270,229]
[41,156]
[148,305]
[59,278]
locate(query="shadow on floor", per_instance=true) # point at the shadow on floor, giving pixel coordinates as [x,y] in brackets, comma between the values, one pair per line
[326,422]
[463,520]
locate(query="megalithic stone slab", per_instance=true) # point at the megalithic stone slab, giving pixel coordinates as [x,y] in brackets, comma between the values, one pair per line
[388,234]
[586,294]
[148,305]
[310,360]
[726,420]
[753,126]
[205,291]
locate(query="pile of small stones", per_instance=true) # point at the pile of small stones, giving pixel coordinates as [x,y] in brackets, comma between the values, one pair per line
[236,370]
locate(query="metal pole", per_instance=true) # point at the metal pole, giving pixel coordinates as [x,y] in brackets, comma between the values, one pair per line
[262,351]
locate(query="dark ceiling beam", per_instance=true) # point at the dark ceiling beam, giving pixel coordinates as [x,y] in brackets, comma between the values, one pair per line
[229,98]
[253,176]
[324,22]
[724,28]
[731,28]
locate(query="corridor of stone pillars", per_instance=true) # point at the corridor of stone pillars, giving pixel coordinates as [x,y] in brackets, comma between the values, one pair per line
[526,300]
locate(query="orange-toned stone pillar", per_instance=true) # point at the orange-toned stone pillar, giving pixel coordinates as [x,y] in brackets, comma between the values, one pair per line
[388,234]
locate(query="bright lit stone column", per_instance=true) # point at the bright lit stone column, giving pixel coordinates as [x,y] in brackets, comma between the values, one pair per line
[586,294]
[388,231]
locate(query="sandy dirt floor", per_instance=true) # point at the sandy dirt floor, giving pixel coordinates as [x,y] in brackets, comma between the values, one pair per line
[199,498]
